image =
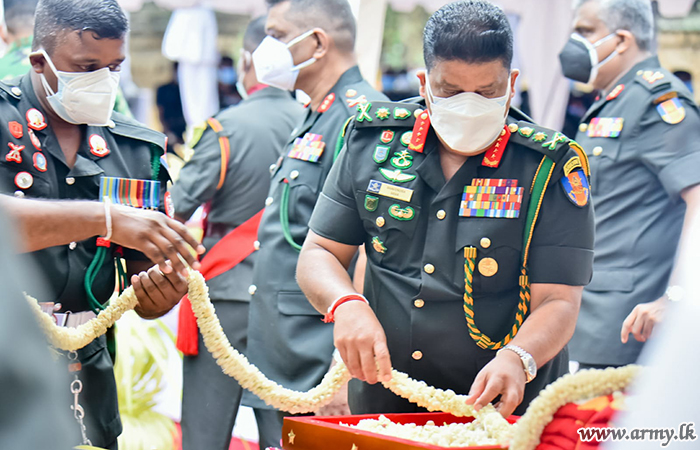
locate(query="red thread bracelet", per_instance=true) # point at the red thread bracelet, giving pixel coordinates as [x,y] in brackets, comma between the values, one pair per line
[330,315]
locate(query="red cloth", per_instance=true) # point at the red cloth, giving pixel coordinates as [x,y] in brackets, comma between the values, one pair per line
[233,248]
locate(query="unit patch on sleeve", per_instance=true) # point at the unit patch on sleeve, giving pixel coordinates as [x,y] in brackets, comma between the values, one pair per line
[576,188]
[671,111]
[494,198]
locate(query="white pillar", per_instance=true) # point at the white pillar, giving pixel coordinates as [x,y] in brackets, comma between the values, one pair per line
[370,15]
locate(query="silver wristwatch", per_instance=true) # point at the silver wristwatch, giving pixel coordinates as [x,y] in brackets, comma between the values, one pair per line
[529,364]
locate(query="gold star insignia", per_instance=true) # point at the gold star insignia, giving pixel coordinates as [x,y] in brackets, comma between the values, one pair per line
[383,113]
[291,436]
[539,137]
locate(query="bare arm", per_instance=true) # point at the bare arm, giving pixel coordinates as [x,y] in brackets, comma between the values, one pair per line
[358,335]
[543,334]
[645,316]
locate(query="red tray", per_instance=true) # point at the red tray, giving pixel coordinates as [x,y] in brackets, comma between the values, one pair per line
[325,433]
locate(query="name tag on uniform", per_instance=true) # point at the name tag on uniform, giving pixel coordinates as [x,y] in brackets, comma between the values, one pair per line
[496,198]
[143,194]
[609,127]
[390,190]
[309,148]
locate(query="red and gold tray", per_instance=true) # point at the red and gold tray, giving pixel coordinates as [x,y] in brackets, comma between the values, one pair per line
[325,433]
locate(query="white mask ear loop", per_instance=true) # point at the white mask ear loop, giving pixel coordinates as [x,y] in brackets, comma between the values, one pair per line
[295,41]
[44,82]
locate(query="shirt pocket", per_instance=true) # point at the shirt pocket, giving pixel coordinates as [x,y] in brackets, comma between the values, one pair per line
[390,224]
[291,303]
[603,153]
[498,262]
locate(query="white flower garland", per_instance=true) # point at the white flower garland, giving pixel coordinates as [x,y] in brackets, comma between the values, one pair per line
[525,434]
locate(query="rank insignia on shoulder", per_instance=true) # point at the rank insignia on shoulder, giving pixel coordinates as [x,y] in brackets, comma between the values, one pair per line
[383,113]
[16,129]
[327,102]
[526,131]
[364,110]
[387,136]
[371,203]
[576,188]
[615,92]
[15,153]
[402,160]
[355,102]
[539,137]
[401,113]
[571,165]
[396,176]
[608,127]
[350,93]
[492,198]
[671,111]
[309,148]
[143,194]
[98,146]
[390,190]
[35,119]
[378,245]
[39,162]
[557,139]
[381,153]
[652,77]
[402,214]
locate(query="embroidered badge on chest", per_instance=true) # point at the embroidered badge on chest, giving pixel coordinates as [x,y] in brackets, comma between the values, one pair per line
[15,153]
[98,146]
[309,148]
[40,162]
[576,188]
[35,140]
[35,119]
[608,127]
[16,129]
[143,194]
[494,198]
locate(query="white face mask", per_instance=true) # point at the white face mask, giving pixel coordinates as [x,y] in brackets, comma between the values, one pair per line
[274,64]
[244,59]
[83,98]
[467,122]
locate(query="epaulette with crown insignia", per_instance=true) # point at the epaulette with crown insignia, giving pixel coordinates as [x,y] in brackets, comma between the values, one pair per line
[386,114]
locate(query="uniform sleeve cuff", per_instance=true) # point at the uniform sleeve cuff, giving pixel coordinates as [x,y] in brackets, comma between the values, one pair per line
[681,174]
[337,222]
[561,265]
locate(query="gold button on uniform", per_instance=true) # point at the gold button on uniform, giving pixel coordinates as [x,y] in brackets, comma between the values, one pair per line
[583,127]
[294,174]
[19,194]
[70,181]
[488,267]
[72,245]
[380,221]
[256,245]
[419,303]
[417,355]
[597,151]
[111,124]
[429,268]
[441,214]
[268,201]
[485,242]
[273,167]
[16,91]
[252,289]
[513,127]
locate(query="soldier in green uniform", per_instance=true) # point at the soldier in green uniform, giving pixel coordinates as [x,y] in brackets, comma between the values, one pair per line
[477,224]
[310,46]
[229,173]
[17,33]
[642,139]
[62,141]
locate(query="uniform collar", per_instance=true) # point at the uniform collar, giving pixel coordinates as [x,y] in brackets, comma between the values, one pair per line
[350,76]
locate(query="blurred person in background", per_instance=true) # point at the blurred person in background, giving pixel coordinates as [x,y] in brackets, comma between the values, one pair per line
[642,136]
[17,34]
[64,142]
[228,80]
[229,174]
[170,113]
[310,46]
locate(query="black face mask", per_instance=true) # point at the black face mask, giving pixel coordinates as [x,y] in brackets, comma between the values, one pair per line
[579,59]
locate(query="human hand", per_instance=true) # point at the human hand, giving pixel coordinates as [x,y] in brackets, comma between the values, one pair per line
[155,235]
[642,320]
[360,339]
[504,375]
[157,292]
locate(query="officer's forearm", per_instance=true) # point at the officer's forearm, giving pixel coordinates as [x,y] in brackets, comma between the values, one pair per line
[552,321]
[685,269]
[322,271]
[43,224]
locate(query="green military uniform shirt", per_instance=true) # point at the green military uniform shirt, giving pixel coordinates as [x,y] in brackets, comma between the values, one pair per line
[642,140]
[32,165]
[416,227]
[16,61]
[257,130]
[286,339]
